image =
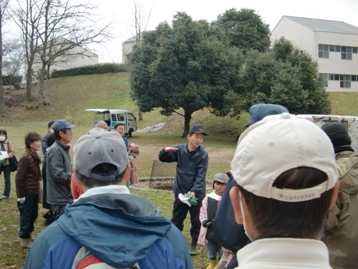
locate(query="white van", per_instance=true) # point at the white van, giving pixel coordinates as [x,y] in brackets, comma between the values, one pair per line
[114,116]
[351,123]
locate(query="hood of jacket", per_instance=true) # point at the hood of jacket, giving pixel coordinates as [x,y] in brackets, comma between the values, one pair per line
[118,228]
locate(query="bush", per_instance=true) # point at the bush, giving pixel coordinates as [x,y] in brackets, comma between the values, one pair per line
[90,69]
[11,80]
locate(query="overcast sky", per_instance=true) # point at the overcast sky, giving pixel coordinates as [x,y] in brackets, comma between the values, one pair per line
[271,11]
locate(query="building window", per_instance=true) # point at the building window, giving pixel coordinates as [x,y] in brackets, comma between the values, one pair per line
[345,81]
[325,78]
[355,50]
[346,53]
[323,51]
[354,78]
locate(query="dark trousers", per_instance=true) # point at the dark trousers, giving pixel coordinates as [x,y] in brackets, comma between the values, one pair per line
[6,171]
[57,211]
[28,215]
[180,211]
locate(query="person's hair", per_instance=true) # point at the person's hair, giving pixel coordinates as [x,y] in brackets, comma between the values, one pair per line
[101,124]
[31,137]
[57,133]
[50,139]
[50,124]
[3,131]
[118,124]
[103,169]
[291,219]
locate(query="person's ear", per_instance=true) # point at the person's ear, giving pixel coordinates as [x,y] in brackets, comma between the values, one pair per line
[235,201]
[127,174]
[335,194]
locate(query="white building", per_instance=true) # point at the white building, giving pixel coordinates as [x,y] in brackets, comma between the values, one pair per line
[76,56]
[127,47]
[333,44]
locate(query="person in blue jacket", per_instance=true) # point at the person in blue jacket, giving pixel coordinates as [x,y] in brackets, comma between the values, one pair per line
[117,228]
[192,164]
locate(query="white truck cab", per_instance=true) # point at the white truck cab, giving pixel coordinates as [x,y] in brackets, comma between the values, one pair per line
[114,116]
[350,122]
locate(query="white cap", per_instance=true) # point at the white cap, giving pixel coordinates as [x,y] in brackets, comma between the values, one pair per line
[279,143]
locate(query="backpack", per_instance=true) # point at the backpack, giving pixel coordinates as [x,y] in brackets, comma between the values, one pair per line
[86,260]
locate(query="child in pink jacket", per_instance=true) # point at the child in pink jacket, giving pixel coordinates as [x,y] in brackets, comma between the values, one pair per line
[207,215]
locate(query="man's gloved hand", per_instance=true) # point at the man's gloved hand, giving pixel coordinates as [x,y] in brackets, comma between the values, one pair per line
[206,223]
[192,200]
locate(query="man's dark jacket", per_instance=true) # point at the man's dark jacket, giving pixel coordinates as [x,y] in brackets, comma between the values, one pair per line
[191,169]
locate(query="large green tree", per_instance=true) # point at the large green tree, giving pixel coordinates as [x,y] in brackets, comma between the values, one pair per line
[283,76]
[245,29]
[188,65]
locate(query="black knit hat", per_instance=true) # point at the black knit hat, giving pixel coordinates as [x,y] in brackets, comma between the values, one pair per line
[339,136]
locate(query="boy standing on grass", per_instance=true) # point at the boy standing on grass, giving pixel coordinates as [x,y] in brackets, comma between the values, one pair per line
[192,164]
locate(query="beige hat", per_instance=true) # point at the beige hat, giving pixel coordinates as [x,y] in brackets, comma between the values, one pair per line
[279,143]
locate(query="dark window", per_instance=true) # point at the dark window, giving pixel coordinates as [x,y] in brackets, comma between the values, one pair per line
[338,48]
[354,78]
[345,81]
[346,53]
[323,51]
[355,50]
[336,77]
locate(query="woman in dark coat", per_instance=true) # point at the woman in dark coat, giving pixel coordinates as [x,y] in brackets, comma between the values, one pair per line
[27,180]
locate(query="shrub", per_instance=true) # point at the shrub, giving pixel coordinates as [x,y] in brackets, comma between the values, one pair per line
[90,69]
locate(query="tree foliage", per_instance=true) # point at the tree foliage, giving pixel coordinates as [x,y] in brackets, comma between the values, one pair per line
[189,65]
[284,76]
[245,29]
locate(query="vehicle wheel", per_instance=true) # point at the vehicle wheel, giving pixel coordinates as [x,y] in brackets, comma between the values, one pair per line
[130,133]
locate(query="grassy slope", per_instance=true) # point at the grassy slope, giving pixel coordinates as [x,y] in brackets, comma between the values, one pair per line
[68,98]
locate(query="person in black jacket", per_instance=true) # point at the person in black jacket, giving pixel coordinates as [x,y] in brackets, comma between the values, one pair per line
[190,178]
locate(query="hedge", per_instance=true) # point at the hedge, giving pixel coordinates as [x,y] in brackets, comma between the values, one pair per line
[90,69]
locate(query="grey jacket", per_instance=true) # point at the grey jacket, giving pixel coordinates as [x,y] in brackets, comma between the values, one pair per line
[191,169]
[58,174]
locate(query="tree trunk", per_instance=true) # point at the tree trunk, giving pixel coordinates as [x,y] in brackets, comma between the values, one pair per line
[42,84]
[140,116]
[187,119]
[28,82]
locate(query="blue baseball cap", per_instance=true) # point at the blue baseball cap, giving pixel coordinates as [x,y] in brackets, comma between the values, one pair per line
[260,111]
[62,124]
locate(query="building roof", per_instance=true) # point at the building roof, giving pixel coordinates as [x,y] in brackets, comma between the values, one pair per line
[326,26]
[130,40]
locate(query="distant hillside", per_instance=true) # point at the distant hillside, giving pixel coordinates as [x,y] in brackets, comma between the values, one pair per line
[68,98]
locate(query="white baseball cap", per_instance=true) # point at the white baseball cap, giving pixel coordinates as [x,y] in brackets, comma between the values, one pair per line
[277,144]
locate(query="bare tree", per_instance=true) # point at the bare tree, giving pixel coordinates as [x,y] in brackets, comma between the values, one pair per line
[141,20]
[52,29]
[66,27]
[28,18]
[3,7]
